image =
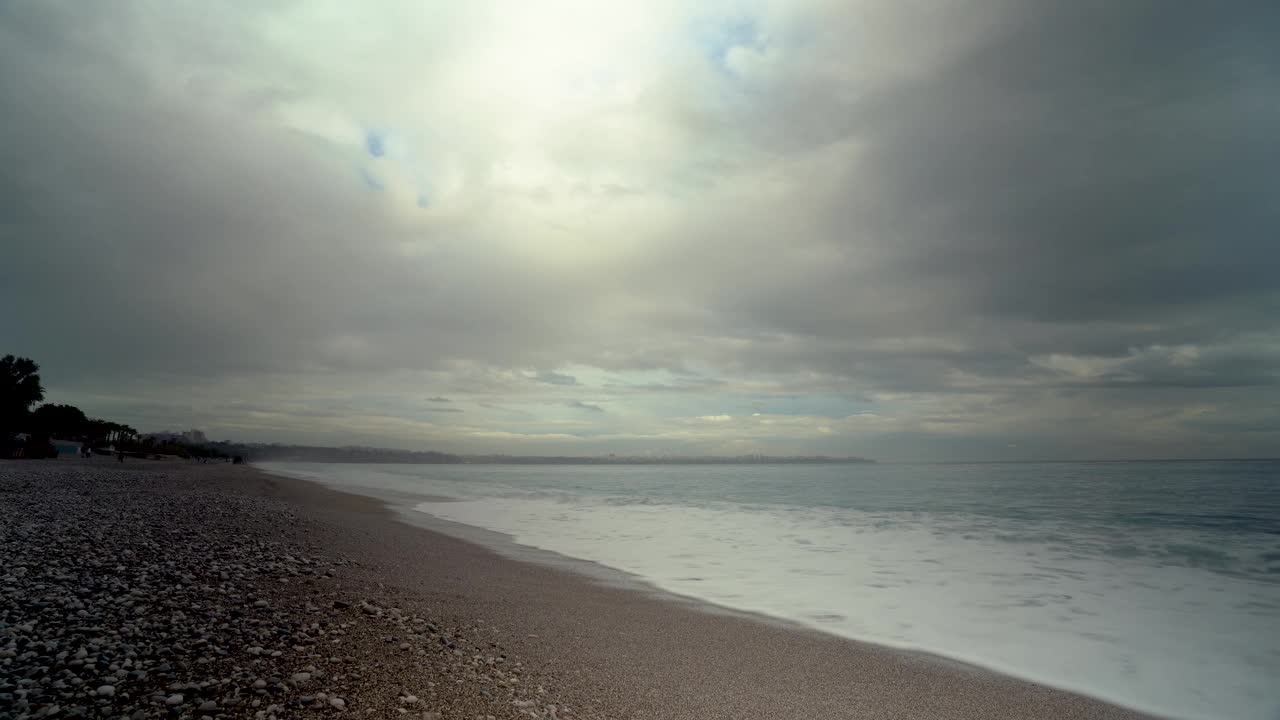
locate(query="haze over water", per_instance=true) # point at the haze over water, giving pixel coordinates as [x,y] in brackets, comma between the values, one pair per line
[1151,584]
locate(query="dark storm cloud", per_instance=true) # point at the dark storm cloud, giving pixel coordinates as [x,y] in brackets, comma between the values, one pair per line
[554,378]
[580,405]
[1088,178]
[1100,162]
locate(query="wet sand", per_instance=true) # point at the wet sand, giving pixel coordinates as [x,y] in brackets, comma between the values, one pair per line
[632,654]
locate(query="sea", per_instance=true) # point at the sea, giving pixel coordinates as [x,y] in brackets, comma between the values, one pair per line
[1153,585]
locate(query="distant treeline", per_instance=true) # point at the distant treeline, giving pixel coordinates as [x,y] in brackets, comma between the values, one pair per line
[308,453]
[29,433]
[68,423]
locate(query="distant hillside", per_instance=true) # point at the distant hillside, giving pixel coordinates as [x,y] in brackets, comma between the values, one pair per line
[308,453]
[670,460]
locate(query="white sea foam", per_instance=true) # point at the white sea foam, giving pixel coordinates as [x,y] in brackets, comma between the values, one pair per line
[1157,617]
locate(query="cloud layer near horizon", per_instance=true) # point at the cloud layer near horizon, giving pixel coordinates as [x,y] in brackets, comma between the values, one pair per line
[904,230]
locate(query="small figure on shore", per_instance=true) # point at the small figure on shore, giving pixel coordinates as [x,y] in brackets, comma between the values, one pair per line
[120,455]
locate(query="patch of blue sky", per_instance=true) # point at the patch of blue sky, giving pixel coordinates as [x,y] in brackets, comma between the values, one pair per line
[372,181]
[716,37]
[375,142]
[381,145]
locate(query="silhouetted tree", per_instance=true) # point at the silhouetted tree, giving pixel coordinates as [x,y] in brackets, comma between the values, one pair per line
[96,431]
[110,432]
[19,389]
[65,421]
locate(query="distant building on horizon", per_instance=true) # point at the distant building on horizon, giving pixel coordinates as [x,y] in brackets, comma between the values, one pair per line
[193,436]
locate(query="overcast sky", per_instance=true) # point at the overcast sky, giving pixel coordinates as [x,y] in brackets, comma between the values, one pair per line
[905,230]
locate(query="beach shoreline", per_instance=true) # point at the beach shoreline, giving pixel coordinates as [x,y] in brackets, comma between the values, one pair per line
[648,607]
[602,649]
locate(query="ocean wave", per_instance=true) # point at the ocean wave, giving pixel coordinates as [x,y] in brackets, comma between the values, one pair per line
[1173,609]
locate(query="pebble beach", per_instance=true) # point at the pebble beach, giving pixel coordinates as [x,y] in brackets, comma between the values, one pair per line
[144,591]
[168,590]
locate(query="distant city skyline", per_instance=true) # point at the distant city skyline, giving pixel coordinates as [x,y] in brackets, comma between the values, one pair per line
[961,231]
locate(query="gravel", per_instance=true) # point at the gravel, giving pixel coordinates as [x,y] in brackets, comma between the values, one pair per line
[135,591]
